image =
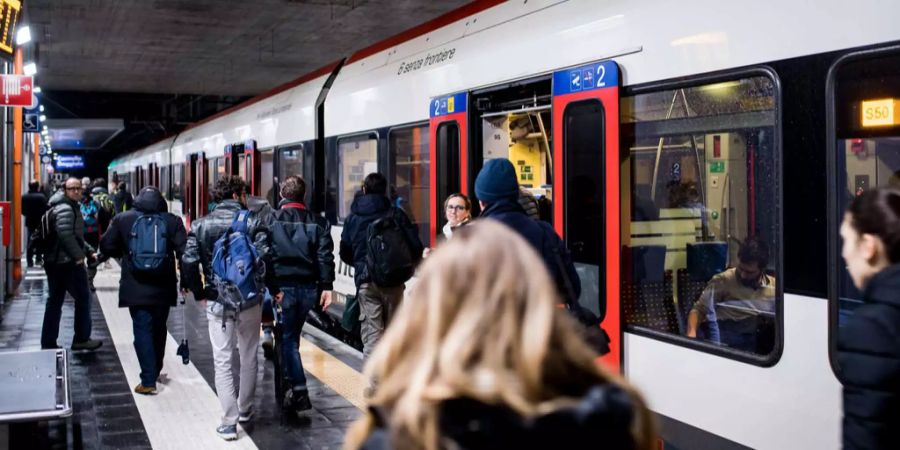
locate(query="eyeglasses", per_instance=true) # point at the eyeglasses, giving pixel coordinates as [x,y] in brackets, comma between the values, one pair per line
[456,207]
[74,189]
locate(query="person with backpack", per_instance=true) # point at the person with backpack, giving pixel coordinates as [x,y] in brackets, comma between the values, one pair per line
[122,200]
[107,206]
[380,275]
[149,240]
[300,263]
[91,212]
[226,245]
[34,205]
[65,254]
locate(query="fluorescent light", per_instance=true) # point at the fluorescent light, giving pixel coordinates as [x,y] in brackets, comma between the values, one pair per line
[41,107]
[23,36]
[30,69]
[37,90]
[45,128]
[43,117]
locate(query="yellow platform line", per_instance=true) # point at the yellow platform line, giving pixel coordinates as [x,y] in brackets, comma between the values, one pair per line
[340,377]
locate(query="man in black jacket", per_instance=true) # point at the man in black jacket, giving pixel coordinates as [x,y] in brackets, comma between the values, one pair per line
[64,263]
[299,264]
[227,328]
[122,199]
[376,302]
[148,295]
[497,189]
[34,205]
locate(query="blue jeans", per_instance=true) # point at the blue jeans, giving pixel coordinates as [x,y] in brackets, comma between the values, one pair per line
[297,302]
[149,324]
[62,278]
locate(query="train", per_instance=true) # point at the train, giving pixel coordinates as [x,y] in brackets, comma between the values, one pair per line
[657,136]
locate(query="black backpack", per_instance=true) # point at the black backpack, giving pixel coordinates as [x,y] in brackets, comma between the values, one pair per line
[45,234]
[390,259]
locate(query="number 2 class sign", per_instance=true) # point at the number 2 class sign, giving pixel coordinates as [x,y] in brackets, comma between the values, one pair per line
[448,104]
[586,78]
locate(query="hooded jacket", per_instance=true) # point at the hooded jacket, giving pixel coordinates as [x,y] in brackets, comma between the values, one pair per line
[869,355]
[543,239]
[366,209]
[157,288]
[201,241]
[34,205]
[602,418]
[312,261]
[69,245]
[122,200]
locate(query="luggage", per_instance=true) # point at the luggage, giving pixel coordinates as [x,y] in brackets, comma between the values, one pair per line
[390,259]
[236,266]
[147,243]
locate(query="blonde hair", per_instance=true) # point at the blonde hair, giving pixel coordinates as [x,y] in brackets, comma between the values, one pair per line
[483,326]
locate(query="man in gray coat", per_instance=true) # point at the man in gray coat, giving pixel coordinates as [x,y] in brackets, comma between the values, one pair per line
[65,264]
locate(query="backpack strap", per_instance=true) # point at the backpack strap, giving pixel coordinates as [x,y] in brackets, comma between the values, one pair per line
[240,222]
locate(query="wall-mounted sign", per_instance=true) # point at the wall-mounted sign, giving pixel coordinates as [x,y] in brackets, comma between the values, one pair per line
[448,104]
[9,17]
[69,162]
[46,159]
[16,90]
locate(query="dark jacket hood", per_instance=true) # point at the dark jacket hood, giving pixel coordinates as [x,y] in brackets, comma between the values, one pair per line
[59,198]
[884,287]
[150,201]
[503,206]
[369,204]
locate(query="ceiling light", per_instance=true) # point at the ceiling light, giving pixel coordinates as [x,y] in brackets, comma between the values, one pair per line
[23,36]
[37,90]
[42,106]
[43,117]
[30,69]
[45,128]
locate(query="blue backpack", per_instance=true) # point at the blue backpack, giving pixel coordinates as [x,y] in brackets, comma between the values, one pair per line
[89,212]
[237,268]
[147,243]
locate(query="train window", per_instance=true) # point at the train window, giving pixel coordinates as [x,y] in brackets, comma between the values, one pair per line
[524,138]
[866,146]
[177,181]
[584,220]
[357,157]
[267,173]
[164,181]
[700,212]
[290,162]
[409,175]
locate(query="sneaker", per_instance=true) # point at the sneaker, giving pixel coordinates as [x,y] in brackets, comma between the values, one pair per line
[145,390]
[90,344]
[245,417]
[227,432]
[300,400]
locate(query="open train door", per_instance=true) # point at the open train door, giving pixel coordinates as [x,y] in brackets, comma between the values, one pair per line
[448,153]
[250,166]
[195,183]
[586,180]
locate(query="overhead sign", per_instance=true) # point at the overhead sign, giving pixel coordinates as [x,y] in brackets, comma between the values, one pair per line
[69,162]
[586,78]
[17,90]
[448,104]
[31,121]
[9,18]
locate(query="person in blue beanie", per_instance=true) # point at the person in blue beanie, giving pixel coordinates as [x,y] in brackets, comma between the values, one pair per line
[497,190]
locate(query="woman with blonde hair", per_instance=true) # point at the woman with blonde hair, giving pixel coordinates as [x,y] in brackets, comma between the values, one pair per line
[480,357]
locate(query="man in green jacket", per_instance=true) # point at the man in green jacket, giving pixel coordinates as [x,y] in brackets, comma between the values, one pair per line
[65,264]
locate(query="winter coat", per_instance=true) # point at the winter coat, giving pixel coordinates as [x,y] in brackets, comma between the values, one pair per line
[201,240]
[34,205]
[287,262]
[69,245]
[543,239]
[137,288]
[601,419]
[869,355]
[368,208]
[123,200]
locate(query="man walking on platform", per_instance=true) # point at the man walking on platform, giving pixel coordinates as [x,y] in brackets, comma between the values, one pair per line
[300,262]
[230,325]
[34,205]
[64,262]
[122,199]
[378,301]
[149,240]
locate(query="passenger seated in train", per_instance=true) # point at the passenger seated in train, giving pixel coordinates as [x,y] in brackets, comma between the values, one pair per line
[483,359]
[738,305]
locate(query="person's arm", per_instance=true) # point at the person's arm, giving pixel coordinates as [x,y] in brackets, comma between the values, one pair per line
[190,264]
[111,244]
[701,309]
[65,232]
[325,249]
[346,251]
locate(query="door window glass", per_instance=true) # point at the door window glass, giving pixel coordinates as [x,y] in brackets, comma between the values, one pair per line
[267,175]
[699,213]
[290,163]
[357,158]
[409,175]
[447,165]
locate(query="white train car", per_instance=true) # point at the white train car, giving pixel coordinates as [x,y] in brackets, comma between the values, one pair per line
[659,137]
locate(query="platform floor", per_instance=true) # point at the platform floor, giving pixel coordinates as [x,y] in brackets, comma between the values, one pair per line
[186,411]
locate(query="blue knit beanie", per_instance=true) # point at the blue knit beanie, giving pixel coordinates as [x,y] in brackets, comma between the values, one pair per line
[497,181]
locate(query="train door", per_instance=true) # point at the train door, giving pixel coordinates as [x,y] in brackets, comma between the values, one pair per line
[250,167]
[586,186]
[448,153]
[195,185]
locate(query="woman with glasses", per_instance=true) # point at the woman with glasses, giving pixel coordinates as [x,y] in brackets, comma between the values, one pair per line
[458,211]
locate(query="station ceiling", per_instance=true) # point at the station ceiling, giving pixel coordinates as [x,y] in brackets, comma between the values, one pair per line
[207,47]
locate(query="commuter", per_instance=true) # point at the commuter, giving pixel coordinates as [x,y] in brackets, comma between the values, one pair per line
[300,263]
[122,199]
[736,302]
[102,197]
[64,263]
[458,212]
[261,209]
[483,359]
[91,213]
[149,240]
[868,354]
[378,300]
[231,325]
[34,205]
[498,193]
